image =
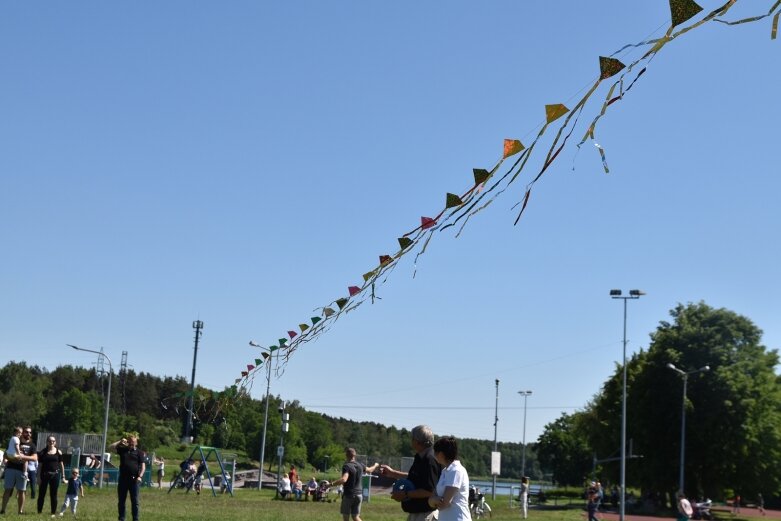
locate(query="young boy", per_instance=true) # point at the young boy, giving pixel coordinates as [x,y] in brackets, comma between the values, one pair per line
[75,488]
[14,451]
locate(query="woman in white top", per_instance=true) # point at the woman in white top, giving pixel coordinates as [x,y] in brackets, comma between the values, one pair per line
[452,493]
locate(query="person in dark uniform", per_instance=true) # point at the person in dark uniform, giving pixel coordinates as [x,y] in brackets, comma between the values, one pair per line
[132,464]
[424,474]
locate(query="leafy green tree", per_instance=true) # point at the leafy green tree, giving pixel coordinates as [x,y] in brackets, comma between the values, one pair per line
[22,390]
[564,449]
[733,438]
[330,456]
[75,411]
[733,435]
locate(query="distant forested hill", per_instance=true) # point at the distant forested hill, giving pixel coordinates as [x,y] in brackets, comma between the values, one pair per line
[70,399]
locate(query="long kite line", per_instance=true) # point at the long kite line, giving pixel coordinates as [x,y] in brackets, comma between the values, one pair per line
[490,184]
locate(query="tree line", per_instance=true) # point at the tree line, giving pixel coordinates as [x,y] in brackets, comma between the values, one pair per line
[733,417]
[70,399]
[733,414]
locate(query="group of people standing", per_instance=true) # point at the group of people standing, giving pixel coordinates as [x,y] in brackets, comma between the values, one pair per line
[26,466]
[439,483]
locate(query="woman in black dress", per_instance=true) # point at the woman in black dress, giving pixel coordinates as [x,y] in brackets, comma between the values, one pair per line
[51,471]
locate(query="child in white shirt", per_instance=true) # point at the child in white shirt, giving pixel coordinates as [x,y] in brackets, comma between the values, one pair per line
[14,451]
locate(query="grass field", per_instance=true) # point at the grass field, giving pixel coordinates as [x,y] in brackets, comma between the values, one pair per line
[252,505]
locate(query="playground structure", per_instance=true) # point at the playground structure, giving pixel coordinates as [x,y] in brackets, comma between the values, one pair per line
[204,452]
[82,451]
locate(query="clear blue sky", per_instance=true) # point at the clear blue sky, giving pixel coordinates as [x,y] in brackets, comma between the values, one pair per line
[242,163]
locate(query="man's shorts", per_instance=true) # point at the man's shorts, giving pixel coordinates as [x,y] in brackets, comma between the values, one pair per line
[351,505]
[15,479]
[424,516]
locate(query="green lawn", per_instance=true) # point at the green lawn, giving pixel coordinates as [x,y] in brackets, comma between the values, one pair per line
[252,505]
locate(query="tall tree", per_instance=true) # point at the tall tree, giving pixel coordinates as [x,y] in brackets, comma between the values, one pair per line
[563,448]
[733,411]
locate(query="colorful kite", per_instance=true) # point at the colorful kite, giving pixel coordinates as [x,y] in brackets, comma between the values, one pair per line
[490,184]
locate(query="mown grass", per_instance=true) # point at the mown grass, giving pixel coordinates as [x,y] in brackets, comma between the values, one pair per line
[254,505]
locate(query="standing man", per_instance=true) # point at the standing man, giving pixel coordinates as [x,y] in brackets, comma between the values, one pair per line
[352,474]
[132,465]
[32,465]
[15,476]
[424,474]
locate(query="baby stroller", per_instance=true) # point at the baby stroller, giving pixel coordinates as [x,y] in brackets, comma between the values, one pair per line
[321,494]
[702,510]
[186,477]
[477,504]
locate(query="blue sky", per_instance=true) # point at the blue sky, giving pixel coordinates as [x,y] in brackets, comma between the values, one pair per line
[244,163]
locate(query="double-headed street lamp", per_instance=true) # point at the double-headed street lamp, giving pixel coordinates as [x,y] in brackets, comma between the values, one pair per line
[265,417]
[685,375]
[616,294]
[105,417]
[525,395]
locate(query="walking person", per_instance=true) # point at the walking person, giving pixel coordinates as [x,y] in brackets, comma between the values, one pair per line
[736,505]
[15,476]
[32,472]
[524,497]
[75,487]
[761,504]
[352,474]
[51,471]
[132,465]
[424,475]
[452,492]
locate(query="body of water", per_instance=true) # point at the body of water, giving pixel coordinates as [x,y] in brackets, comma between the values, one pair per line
[505,488]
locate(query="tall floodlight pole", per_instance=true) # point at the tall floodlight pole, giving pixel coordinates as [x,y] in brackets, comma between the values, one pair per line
[496,447]
[616,294]
[685,375]
[105,416]
[525,395]
[188,428]
[265,416]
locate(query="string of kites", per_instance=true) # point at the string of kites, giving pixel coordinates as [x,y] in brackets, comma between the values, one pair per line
[488,185]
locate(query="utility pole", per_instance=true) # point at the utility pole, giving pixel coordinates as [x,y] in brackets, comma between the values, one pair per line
[188,428]
[122,380]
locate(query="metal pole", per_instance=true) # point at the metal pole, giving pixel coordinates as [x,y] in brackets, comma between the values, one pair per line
[496,422]
[683,431]
[622,509]
[523,456]
[188,429]
[105,416]
[265,425]
[281,448]
[616,294]
[685,375]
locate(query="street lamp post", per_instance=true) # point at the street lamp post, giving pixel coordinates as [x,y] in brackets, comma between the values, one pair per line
[685,375]
[105,416]
[525,395]
[265,416]
[616,294]
[496,423]
[281,448]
